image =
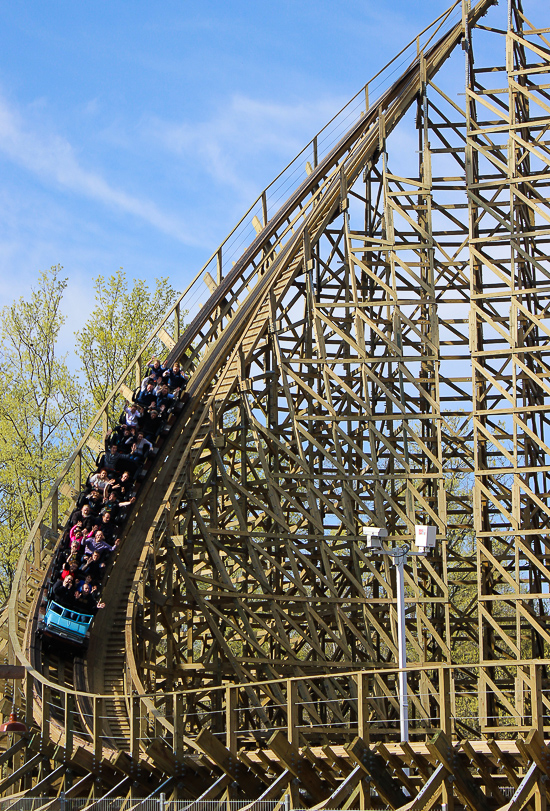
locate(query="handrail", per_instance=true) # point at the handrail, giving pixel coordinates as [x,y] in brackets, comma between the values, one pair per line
[390,670]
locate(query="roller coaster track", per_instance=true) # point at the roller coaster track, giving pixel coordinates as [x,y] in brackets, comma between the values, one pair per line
[312,206]
[124,717]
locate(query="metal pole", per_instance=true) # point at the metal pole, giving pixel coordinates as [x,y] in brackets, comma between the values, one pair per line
[402,647]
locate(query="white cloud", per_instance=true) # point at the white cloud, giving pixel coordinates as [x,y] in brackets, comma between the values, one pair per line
[52,158]
[242,133]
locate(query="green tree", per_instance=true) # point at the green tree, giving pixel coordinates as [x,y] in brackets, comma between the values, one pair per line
[44,408]
[39,412]
[117,328]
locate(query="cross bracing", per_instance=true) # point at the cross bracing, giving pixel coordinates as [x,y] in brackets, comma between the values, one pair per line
[376,356]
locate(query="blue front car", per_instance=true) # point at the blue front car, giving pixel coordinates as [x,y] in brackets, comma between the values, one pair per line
[66,623]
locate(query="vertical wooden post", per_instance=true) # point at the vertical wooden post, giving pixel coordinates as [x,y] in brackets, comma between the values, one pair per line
[445,723]
[219,266]
[363,687]
[264,207]
[177,322]
[447,795]
[482,699]
[292,711]
[178,730]
[46,707]
[445,718]
[465,10]
[97,724]
[69,725]
[37,547]
[537,722]
[231,718]
[363,731]
[519,692]
[55,511]
[541,802]
[343,186]
[135,791]
[29,699]
[135,727]
[78,472]
[315,153]
[536,697]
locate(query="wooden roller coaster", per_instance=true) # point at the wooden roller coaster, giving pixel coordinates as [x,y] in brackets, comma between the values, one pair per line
[368,348]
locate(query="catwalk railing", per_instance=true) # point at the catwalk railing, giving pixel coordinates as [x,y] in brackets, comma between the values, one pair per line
[308,711]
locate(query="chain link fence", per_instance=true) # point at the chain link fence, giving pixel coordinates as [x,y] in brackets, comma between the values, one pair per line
[159,803]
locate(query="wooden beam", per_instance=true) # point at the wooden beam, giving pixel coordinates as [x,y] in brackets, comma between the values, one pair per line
[95,446]
[397,766]
[374,766]
[321,766]
[46,781]
[20,772]
[210,283]
[214,791]
[274,791]
[523,790]
[344,790]
[231,719]
[484,767]
[12,672]
[126,392]
[504,762]
[16,747]
[340,764]
[166,339]
[290,756]
[228,763]
[465,786]
[429,792]
[534,748]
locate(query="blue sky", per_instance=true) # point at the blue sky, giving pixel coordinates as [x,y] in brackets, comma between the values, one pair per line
[135,134]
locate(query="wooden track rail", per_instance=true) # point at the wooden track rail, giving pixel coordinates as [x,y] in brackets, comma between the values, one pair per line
[377,355]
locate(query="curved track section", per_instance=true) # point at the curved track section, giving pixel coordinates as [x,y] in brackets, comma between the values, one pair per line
[240,321]
[249,644]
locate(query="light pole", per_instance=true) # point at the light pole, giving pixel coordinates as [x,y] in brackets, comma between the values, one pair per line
[425,540]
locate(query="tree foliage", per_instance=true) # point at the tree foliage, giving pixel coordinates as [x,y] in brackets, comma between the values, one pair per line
[39,409]
[117,327]
[44,406]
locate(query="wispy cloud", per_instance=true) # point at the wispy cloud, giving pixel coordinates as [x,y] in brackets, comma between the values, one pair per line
[243,133]
[52,158]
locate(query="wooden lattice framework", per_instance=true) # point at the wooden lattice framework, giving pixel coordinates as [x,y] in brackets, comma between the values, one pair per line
[376,356]
[400,361]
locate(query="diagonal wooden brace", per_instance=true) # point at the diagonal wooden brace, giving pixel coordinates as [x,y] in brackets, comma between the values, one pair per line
[375,767]
[464,784]
[297,765]
[228,763]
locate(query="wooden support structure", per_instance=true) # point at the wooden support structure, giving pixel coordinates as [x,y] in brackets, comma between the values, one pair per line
[297,765]
[376,357]
[228,763]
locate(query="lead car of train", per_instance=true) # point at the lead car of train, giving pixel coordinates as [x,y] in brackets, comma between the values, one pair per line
[61,623]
